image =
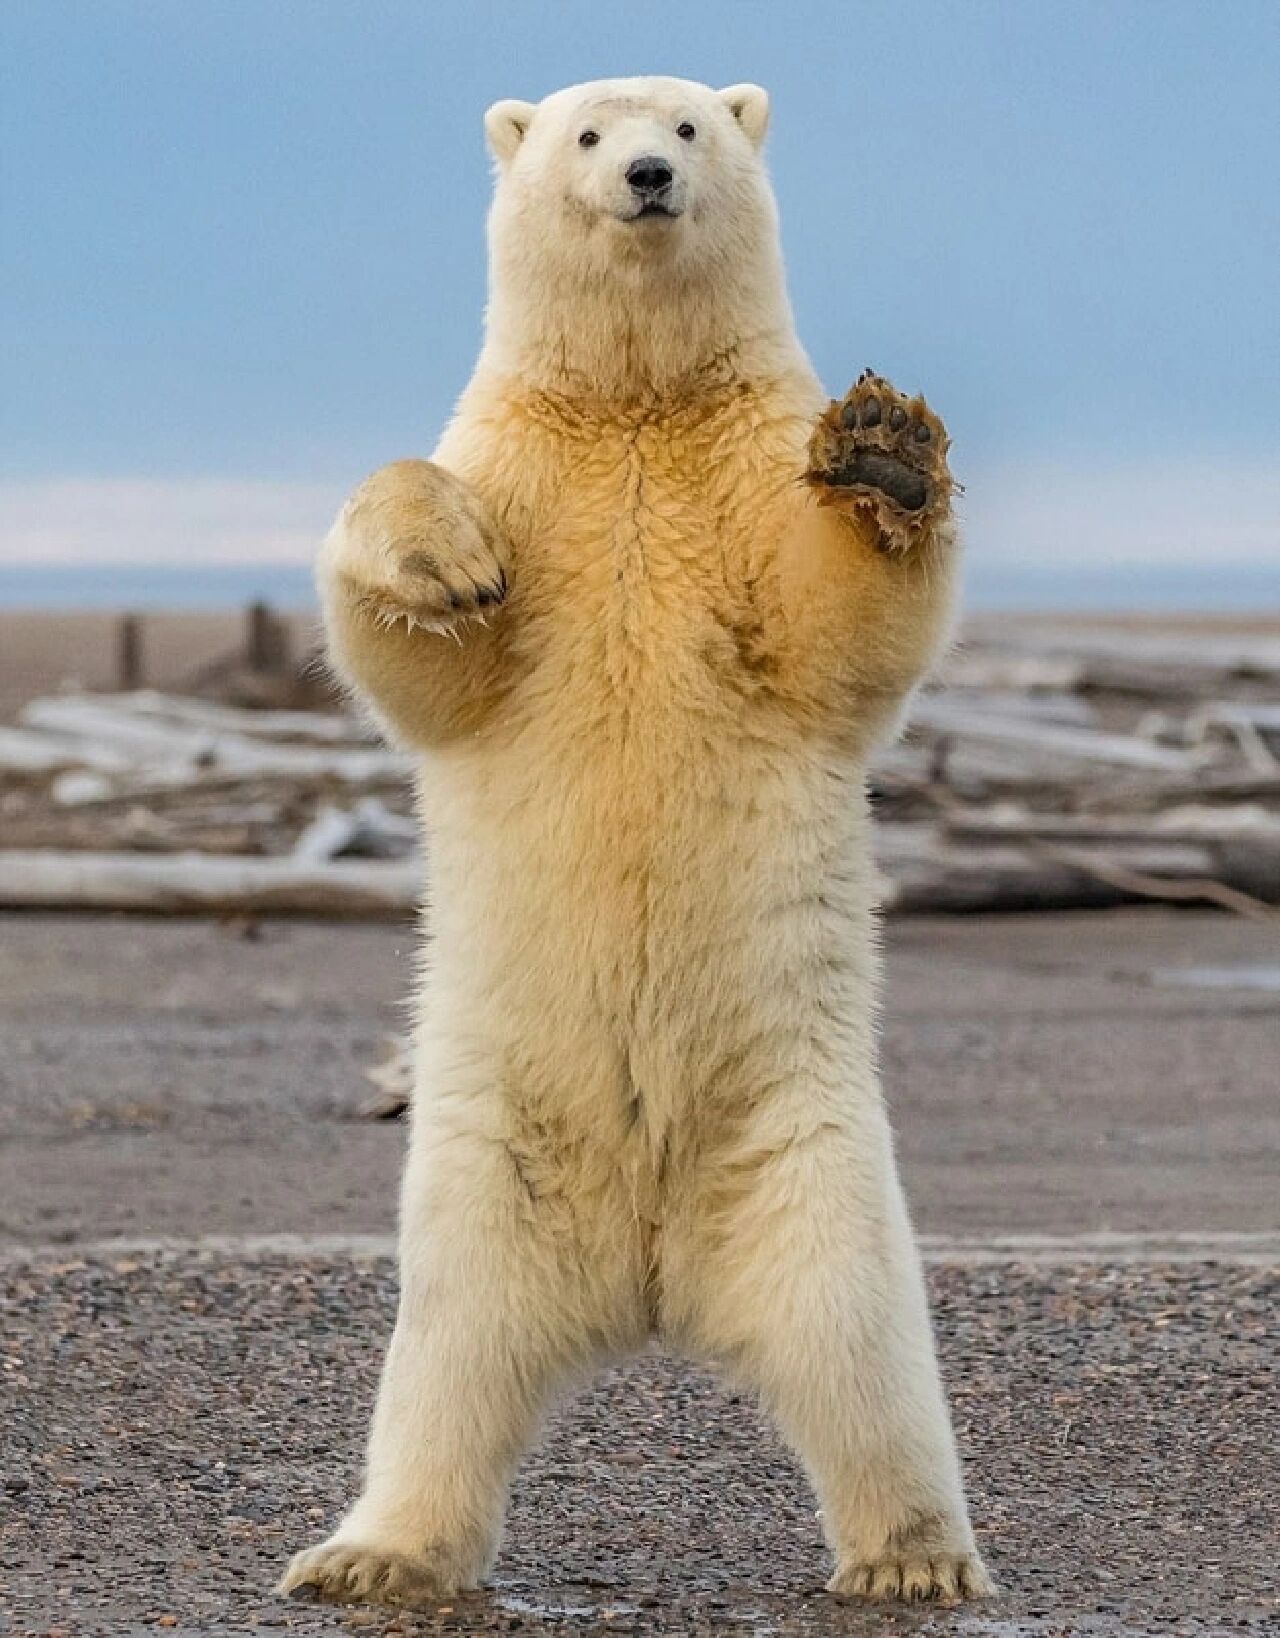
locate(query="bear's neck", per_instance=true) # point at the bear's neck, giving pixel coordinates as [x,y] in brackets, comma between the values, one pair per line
[642,336]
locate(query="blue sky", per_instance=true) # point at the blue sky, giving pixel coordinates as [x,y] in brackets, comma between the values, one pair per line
[243,249]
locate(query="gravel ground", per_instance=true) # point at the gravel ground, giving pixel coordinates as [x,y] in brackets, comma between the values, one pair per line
[176,1425]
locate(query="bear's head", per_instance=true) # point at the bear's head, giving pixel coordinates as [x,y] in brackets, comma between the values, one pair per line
[631,214]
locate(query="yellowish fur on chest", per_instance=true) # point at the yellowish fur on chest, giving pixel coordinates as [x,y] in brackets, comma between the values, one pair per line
[643,543]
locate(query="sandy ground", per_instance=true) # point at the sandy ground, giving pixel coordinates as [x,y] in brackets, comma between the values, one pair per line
[1048,1075]
[48,653]
[195,1291]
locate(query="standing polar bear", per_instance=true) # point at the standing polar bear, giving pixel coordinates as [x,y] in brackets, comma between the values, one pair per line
[643,617]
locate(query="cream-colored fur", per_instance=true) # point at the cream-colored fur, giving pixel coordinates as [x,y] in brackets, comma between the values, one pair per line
[643,669]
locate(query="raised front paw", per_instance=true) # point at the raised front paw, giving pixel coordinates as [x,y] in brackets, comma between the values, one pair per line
[415,544]
[881,452]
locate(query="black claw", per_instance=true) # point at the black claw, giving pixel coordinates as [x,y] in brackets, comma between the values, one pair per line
[848,417]
[923,434]
[484,596]
[871,413]
[897,417]
[456,602]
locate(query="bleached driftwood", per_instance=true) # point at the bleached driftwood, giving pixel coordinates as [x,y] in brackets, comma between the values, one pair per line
[1193,823]
[926,870]
[1060,742]
[175,753]
[96,717]
[175,882]
[982,704]
[369,829]
[308,726]
[1154,793]
[392,1080]
[1231,655]
[1065,766]
[1010,670]
[1254,728]
[1121,660]
[25,751]
[1237,847]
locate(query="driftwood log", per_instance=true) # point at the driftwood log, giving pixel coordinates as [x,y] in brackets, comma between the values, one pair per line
[1185,667]
[925,870]
[172,751]
[1062,765]
[175,882]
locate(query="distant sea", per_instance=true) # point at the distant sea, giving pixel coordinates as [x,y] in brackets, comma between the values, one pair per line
[1214,588]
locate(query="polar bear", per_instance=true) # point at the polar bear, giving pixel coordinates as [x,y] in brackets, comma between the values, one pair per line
[642,617]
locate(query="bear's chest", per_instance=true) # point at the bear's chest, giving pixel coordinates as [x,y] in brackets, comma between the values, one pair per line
[645,564]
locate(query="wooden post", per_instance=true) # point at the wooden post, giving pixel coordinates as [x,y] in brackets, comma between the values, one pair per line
[129,652]
[267,641]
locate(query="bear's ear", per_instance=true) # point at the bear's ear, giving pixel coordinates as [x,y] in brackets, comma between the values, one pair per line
[749,105]
[504,127]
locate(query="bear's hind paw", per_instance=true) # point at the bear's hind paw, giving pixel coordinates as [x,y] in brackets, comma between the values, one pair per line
[914,1578]
[348,1573]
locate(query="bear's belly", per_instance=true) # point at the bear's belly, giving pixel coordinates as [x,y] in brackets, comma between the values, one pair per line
[629,973]
[662,902]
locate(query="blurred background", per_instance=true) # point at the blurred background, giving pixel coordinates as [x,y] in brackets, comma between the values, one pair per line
[244,264]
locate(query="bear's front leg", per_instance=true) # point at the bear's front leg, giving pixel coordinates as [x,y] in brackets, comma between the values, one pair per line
[410,576]
[882,455]
[867,561]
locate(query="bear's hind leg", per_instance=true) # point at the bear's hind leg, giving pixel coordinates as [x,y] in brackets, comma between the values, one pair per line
[809,1290]
[492,1319]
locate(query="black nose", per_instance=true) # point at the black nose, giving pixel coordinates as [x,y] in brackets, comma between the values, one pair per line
[650,175]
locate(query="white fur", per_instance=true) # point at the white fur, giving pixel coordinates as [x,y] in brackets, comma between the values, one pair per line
[647,1095]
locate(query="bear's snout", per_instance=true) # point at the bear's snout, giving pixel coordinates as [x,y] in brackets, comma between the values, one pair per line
[650,174]
[653,180]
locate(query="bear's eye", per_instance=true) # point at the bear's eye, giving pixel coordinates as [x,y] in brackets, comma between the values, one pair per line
[588,139]
[686,132]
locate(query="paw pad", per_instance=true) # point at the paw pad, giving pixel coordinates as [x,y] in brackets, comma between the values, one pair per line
[884,452]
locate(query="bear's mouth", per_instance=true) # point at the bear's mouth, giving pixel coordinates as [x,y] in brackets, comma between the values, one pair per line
[653,208]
